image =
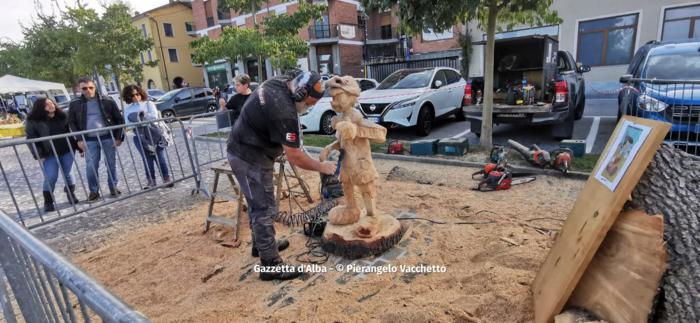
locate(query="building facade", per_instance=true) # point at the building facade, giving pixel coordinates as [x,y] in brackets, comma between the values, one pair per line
[171,27]
[605,35]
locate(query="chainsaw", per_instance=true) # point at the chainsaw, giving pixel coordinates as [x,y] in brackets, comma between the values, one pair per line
[559,159]
[497,177]
[330,184]
[395,147]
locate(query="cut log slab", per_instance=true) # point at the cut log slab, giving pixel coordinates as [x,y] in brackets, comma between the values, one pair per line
[341,240]
[671,187]
[621,281]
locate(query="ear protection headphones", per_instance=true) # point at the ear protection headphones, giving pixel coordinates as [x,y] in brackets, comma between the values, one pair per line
[303,81]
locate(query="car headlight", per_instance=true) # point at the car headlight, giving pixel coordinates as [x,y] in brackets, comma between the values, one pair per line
[407,103]
[650,104]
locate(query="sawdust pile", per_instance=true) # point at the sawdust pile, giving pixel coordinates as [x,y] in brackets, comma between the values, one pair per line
[172,272]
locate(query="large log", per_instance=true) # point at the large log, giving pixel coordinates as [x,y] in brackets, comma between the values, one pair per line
[671,187]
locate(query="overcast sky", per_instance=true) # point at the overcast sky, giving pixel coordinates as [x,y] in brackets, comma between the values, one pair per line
[15,12]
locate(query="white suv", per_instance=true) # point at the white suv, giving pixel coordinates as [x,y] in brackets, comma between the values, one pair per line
[415,97]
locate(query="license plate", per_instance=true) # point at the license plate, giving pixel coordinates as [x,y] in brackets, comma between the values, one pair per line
[375,119]
[511,115]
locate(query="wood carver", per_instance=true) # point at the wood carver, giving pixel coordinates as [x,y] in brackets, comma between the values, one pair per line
[347,222]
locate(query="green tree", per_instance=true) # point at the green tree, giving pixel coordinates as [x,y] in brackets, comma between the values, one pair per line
[276,38]
[77,41]
[418,15]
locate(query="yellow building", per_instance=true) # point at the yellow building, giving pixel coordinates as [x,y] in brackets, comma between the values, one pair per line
[171,28]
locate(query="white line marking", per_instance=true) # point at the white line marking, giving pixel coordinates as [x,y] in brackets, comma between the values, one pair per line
[602,117]
[592,134]
[462,133]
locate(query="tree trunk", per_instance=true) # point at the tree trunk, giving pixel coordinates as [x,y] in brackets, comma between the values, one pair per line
[487,113]
[671,186]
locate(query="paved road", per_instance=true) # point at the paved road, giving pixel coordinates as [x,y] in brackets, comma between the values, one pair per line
[596,127]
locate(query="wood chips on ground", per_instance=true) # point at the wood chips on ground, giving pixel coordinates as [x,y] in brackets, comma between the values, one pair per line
[170,271]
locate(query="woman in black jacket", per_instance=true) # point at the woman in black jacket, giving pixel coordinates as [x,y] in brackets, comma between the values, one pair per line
[46,119]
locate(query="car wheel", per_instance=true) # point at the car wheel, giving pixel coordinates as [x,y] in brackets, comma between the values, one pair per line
[579,108]
[325,127]
[459,114]
[564,130]
[425,121]
[211,108]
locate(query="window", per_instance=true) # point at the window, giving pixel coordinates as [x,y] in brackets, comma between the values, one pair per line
[452,76]
[608,41]
[184,95]
[168,29]
[386,32]
[200,94]
[366,85]
[322,29]
[143,61]
[210,21]
[189,27]
[563,64]
[150,56]
[143,29]
[172,52]
[440,76]
[681,23]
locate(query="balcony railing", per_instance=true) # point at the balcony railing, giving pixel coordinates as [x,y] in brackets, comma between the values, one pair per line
[382,33]
[336,31]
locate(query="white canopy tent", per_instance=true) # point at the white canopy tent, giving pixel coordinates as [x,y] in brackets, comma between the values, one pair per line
[14,84]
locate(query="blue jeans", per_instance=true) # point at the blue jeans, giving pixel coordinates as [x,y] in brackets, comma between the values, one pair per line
[92,163]
[51,170]
[256,185]
[150,160]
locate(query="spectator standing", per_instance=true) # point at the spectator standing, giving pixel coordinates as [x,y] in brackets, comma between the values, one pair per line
[45,120]
[236,102]
[91,112]
[148,138]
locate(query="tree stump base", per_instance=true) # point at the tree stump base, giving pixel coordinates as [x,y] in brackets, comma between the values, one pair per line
[341,240]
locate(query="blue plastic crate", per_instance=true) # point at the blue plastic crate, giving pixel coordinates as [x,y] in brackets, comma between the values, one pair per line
[453,146]
[424,147]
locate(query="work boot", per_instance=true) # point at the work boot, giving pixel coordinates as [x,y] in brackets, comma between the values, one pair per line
[169,182]
[70,193]
[94,196]
[114,192]
[150,184]
[278,270]
[48,202]
[281,245]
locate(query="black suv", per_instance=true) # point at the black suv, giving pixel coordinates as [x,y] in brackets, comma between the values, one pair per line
[187,101]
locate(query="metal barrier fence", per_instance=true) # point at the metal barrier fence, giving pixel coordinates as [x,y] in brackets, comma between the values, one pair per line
[673,101]
[23,176]
[46,287]
[379,71]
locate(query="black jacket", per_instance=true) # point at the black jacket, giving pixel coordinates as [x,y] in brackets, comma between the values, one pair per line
[39,129]
[77,116]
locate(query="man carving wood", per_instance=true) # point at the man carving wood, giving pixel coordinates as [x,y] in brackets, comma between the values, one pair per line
[354,135]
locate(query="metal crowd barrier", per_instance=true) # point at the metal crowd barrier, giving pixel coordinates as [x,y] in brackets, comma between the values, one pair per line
[673,101]
[23,176]
[45,287]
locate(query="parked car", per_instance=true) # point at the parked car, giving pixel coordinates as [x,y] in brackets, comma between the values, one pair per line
[232,89]
[186,101]
[154,94]
[116,97]
[534,83]
[415,98]
[662,83]
[318,118]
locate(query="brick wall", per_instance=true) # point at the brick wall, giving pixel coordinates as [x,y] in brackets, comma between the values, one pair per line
[342,13]
[200,17]
[350,60]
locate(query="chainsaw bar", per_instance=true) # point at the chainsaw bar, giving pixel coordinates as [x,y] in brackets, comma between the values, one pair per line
[522,180]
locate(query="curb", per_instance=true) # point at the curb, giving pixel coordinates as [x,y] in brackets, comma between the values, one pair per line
[444,162]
